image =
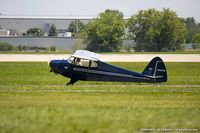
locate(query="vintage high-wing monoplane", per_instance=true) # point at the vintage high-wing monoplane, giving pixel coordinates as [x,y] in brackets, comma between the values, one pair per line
[85,65]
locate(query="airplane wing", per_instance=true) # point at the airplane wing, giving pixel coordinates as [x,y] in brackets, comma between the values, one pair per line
[84,54]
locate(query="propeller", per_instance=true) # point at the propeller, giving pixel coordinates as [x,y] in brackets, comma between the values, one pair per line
[48,64]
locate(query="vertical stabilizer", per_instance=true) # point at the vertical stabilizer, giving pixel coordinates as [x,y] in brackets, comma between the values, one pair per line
[156,70]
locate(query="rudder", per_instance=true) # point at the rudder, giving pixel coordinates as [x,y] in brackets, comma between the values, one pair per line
[156,70]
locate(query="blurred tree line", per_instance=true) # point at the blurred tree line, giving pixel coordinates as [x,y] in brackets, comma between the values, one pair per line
[35,32]
[8,47]
[155,30]
[192,27]
[5,46]
[106,32]
[76,27]
[151,29]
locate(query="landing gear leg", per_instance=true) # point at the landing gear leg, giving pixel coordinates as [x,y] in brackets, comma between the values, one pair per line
[71,82]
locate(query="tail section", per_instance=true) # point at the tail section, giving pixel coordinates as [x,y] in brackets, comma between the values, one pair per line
[156,70]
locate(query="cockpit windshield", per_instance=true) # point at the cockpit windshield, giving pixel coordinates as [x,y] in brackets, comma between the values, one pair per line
[70,59]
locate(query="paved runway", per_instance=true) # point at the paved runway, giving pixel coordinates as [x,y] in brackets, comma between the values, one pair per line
[103,57]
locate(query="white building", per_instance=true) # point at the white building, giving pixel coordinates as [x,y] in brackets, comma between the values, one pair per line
[64,34]
[22,23]
[4,33]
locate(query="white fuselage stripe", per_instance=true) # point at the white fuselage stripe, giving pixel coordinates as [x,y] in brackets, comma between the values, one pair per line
[107,73]
[154,76]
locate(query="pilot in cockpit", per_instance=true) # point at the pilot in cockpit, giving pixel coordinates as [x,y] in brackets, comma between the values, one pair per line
[78,62]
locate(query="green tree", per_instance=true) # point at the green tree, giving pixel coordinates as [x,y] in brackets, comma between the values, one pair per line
[191,28]
[22,47]
[35,32]
[196,41]
[155,30]
[196,38]
[52,31]
[106,32]
[144,28]
[76,27]
[172,31]
[52,48]
[5,46]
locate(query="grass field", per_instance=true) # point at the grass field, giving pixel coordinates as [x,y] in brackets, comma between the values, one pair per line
[34,100]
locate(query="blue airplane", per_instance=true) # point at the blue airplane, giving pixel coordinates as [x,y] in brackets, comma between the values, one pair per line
[86,66]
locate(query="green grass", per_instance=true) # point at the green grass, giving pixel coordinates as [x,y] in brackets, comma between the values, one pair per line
[34,100]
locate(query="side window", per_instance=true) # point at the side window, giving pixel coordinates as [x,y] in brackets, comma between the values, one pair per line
[77,61]
[81,62]
[93,64]
[84,62]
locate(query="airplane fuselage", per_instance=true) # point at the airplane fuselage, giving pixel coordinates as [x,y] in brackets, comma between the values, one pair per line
[85,65]
[104,72]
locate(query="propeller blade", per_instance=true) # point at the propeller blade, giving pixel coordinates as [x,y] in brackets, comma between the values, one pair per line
[48,64]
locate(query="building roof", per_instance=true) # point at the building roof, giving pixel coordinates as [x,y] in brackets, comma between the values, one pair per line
[49,17]
[44,17]
[84,54]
